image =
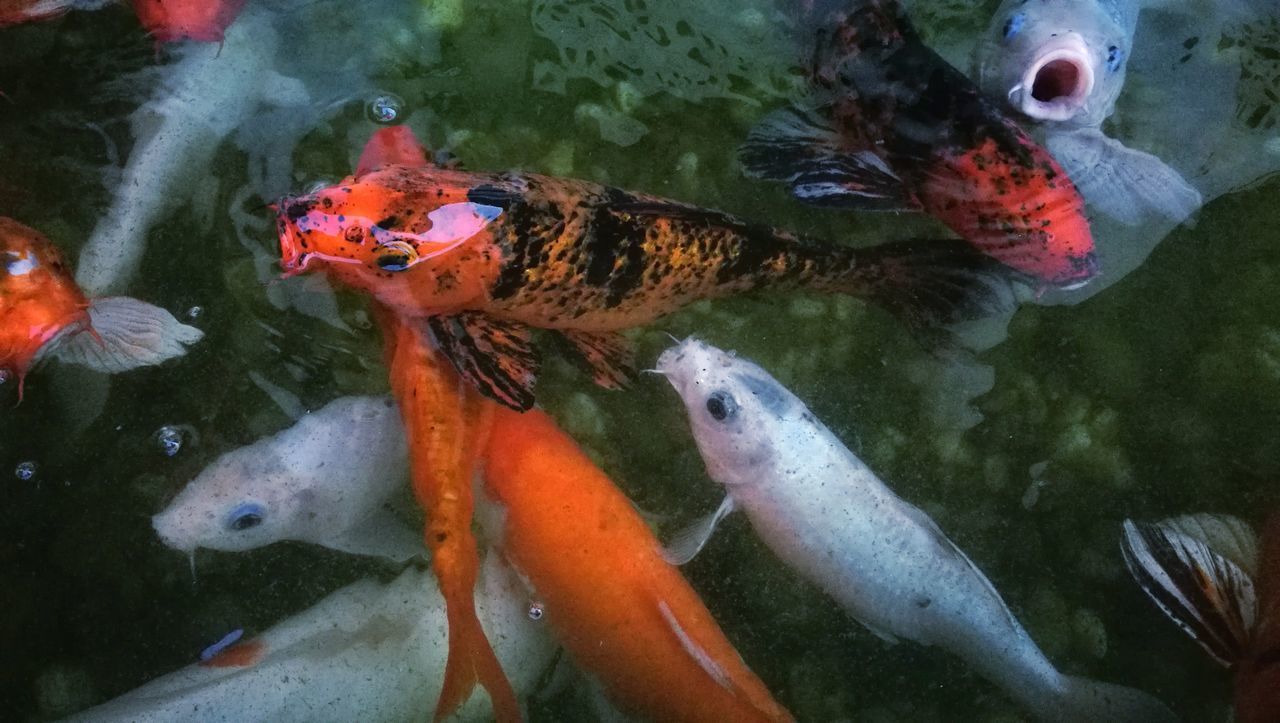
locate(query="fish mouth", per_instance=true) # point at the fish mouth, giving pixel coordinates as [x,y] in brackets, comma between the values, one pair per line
[1058,83]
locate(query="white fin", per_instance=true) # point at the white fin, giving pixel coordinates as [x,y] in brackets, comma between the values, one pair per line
[382,535]
[283,91]
[1126,184]
[1091,700]
[1207,595]
[686,543]
[129,334]
[1228,536]
[692,648]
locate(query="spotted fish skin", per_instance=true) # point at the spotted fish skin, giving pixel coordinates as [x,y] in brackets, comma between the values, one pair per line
[896,126]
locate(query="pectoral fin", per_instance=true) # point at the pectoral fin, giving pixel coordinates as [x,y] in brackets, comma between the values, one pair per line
[687,543]
[379,536]
[608,357]
[801,149]
[126,334]
[1126,184]
[1207,595]
[496,357]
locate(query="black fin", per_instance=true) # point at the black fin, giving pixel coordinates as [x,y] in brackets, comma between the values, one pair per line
[608,356]
[496,357]
[1206,594]
[931,283]
[802,150]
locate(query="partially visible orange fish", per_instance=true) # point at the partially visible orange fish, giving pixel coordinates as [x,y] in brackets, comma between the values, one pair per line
[622,611]
[480,259]
[43,313]
[202,20]
[446,424]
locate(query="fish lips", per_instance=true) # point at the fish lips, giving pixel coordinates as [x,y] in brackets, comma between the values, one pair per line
[1057,84]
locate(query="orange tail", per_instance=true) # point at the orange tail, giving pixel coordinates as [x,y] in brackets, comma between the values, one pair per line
[447,424]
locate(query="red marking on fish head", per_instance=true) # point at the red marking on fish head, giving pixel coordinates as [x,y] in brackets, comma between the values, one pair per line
[200,20]
[240,655]
[39,301]
[395,145]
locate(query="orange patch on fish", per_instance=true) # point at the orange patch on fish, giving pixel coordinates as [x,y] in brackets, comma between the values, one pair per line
[240,655]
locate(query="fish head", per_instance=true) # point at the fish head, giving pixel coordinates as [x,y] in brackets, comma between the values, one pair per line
[409,236]
[201,20]
[1059,61]
[39,299]
[737,411]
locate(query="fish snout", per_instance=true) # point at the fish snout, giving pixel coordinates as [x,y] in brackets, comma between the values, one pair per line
[1057,84]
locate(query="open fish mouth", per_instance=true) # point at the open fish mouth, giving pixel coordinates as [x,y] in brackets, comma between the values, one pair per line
[1058,83]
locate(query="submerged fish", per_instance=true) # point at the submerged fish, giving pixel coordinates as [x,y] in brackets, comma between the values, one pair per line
[1221,585]
[824,513]
[624,614]
[44,314]
[325,480]
[1062,63]
[476,260]
[368,652]
[894,126]
[201,20]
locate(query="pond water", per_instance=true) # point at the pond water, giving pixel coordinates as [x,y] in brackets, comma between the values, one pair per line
[1157,395]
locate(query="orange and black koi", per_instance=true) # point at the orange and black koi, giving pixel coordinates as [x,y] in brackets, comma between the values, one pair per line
[894,126]
[480,259]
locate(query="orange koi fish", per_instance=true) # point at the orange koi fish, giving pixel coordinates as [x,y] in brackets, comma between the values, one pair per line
[479,259]
[446,425]
[43,313]
[201,20]
[894,126]
[623,612]
[1221,584]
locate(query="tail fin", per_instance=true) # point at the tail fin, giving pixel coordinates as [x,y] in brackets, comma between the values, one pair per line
[933,283]
[1091,700]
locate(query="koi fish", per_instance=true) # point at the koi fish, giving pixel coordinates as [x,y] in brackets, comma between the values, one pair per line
[368,652]
[622,612]
[326,480]
[894,126]
[1214,578]
[43,314]
[477,260]
[200,20]
[446,424]
[827,515]
[1062,64]
[14,12]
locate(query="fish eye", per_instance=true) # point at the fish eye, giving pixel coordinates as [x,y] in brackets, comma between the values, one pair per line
[1013,25]
[1114,57]
[396,256]
[721,406]
[246,516]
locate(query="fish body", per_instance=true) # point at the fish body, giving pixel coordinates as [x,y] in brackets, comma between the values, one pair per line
[828,516]
[1220,582]
[1062,64]
[201,20]
[325,480]
[895,126]
[368,652]
[44,313]
[479,259]
[624,614]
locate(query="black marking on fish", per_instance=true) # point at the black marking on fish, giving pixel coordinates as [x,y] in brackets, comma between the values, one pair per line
[614,248]
[494,356]
[524,248]
[489,195]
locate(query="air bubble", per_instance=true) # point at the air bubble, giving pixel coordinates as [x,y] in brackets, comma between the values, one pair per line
[536,611]
[385,109]
[195,312]
[25,471]
[169,439]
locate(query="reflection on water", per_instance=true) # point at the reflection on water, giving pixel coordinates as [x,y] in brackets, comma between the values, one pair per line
[1152,392]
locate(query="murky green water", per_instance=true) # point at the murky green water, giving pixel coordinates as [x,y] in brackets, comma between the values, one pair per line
[1159,396]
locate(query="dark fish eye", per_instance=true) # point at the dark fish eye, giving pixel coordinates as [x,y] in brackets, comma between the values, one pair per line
[245,516]
[393,262]
[721,406]
[1013,25]
[1115,56]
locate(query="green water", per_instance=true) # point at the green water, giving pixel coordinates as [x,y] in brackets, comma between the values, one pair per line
[1160,396]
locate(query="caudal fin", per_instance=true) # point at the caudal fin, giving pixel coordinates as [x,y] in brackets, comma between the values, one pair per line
[930,284]
[1091,700]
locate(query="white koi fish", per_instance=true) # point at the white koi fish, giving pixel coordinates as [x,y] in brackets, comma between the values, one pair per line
[368,652]
[828,516]
[1062,63]
[325,480]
